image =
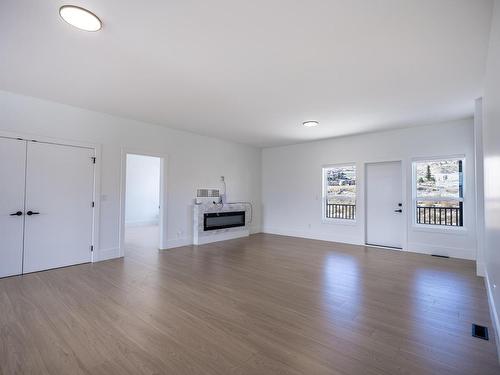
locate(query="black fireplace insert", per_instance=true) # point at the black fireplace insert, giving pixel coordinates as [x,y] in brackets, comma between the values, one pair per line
[222,220]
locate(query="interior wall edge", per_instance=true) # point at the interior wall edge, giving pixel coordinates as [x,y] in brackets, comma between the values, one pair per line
[493,312]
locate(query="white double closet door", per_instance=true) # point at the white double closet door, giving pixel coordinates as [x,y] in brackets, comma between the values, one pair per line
[46,210]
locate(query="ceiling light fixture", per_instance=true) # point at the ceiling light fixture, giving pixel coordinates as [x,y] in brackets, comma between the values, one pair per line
[310,124]
[80,18]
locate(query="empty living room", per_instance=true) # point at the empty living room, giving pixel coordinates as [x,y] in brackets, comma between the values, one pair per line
[250,187]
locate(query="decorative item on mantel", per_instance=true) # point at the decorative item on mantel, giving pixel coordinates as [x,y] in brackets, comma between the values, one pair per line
[214,219]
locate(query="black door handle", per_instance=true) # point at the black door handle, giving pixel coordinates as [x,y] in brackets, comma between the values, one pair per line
[398,210]
[18,213]
[29,213]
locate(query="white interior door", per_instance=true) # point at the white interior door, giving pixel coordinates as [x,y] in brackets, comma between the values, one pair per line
[384,205]
[12,169]
[59,195]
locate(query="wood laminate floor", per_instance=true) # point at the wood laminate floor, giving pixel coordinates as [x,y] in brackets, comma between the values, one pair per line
[261,305]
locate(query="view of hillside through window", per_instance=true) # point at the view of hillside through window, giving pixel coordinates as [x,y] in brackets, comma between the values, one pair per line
[439,192]
[340,189]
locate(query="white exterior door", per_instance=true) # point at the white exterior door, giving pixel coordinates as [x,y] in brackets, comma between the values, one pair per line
[12,173]
[58,212]
[384,205]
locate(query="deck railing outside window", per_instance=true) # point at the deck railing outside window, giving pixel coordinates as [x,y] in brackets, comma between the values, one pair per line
[439,192]
[451,216]
[340,211]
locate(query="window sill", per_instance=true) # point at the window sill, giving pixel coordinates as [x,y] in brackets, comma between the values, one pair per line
[339,221]
[459,231]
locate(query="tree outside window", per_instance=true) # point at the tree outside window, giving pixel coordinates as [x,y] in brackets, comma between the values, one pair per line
[439,192]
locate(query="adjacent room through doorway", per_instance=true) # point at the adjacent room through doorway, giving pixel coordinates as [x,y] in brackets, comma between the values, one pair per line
[142,202]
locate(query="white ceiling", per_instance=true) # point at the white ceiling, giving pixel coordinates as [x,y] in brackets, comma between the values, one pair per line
[252,71]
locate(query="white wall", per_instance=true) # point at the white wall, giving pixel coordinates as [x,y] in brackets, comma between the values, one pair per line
[292,187]
[193,161]
[491,149]
[143,190]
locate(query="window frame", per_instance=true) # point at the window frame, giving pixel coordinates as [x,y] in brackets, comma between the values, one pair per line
[435,227]
[324,196]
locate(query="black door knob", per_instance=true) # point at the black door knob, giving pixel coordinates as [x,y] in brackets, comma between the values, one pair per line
[18,213]
[398,210]
[29,213]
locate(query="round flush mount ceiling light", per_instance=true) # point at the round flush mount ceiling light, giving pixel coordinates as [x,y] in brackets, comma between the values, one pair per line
[80,18]
[310,124]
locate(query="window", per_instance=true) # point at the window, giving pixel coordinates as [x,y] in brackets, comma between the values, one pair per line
[438,192]
[339,192]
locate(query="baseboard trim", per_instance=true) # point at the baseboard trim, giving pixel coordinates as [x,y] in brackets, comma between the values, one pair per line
[493,312]
[480,269]
[312,235]
[460,253]
[178,242]
[255,229]
[452,252]
[105,254]
[132,224]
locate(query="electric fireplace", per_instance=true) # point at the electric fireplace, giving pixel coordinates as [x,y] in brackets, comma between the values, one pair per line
[222,220]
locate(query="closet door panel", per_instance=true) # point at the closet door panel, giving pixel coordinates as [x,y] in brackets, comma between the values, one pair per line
[59,193]
[12,173]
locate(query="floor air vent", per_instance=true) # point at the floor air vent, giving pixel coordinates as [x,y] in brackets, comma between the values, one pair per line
[480,332]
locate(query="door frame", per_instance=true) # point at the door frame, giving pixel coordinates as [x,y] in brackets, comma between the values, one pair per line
[404,201]
[162,241]
[97,175]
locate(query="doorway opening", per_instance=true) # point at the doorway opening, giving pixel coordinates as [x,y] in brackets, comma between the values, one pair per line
[385,217]
[143,203]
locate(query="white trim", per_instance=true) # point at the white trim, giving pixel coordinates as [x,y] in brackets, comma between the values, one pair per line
[493,312]
[338,165]
[351,240]
[97,177]
[412,247]
[162,241]
[335,221]
[439,199]
[141,223]
[383,247]
[479,185]
[446,229]
[452,252]
[480,269]
[439,157]
[106,254]
[41,138]
[178,242]
[97,203]
[255,229]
